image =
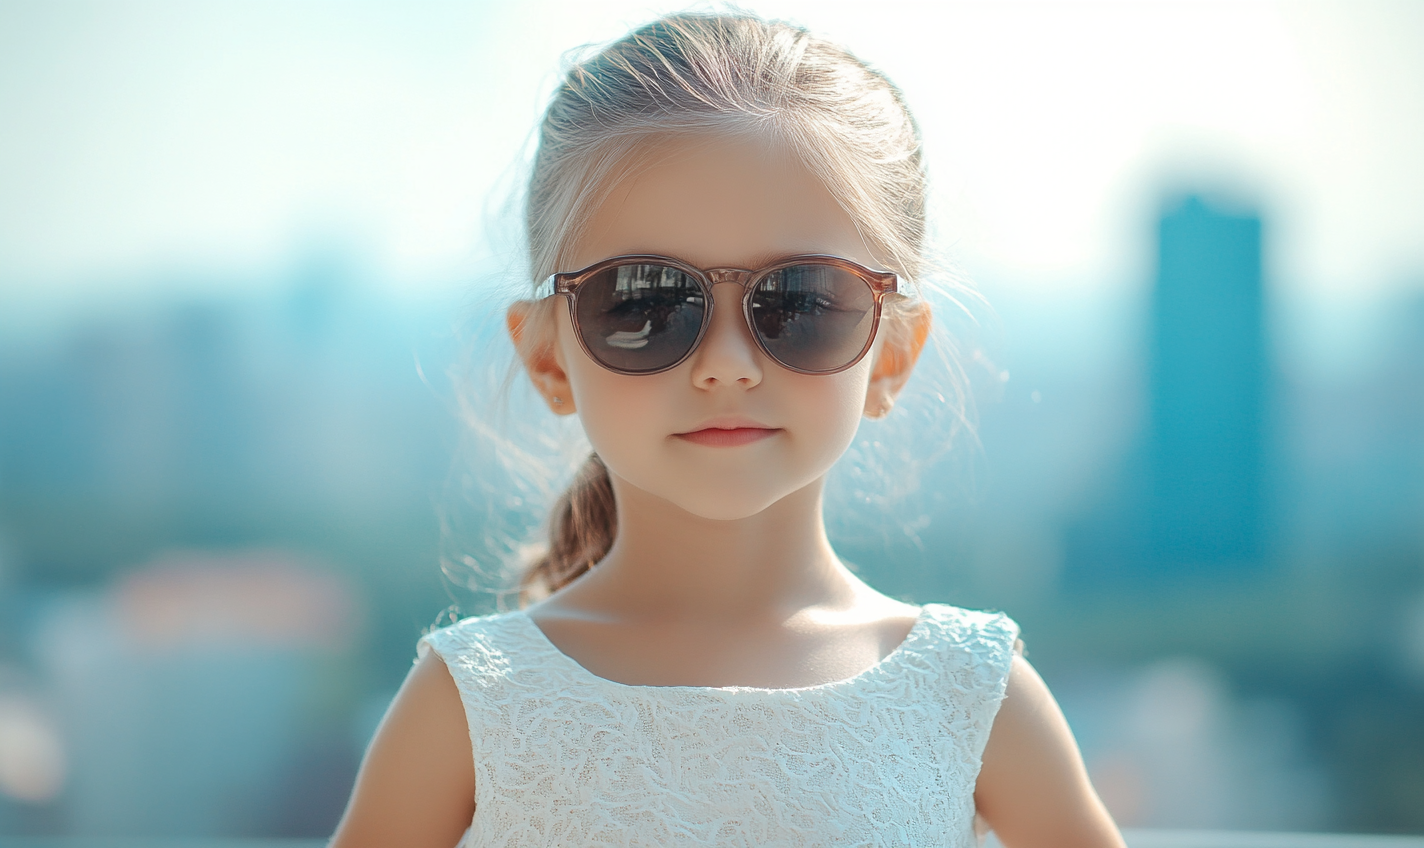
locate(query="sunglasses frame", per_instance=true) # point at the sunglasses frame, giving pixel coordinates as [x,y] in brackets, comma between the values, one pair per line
[567,284]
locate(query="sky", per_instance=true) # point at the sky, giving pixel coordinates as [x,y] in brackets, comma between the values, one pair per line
[150,144]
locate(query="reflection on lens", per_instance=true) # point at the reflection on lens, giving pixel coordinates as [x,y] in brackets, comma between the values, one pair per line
[639,317]
[630,341]
[813,317]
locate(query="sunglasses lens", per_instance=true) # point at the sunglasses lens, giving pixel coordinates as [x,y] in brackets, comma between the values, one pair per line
[813,317]
[641,317]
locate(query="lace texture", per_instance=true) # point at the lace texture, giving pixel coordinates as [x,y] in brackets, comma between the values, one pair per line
[888,757]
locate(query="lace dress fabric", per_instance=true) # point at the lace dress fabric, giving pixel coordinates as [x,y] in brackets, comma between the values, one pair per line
[888,757]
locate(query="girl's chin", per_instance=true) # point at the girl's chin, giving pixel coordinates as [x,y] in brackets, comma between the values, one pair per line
[730,503]
[725,511]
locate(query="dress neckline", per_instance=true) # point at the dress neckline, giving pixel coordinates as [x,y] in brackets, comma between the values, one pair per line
[880,667]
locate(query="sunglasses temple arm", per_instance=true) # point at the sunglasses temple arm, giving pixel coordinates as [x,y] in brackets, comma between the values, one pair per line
[546,288]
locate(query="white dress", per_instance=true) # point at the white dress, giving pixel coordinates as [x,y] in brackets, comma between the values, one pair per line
[888,757]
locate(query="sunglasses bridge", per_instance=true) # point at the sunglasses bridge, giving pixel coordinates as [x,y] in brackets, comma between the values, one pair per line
[716,276]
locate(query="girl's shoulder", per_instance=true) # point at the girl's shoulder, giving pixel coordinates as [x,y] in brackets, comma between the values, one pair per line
[476,640]
[987,632]
[978,644]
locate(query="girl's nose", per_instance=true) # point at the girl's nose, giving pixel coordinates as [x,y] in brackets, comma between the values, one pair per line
[728,354]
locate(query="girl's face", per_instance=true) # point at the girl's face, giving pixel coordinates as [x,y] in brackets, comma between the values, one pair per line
[732,204]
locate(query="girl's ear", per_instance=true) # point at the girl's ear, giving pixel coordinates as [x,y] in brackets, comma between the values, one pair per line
[533,337]
[896,358]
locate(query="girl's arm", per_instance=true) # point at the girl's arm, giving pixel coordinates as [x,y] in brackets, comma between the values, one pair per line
[416,786]
[1033,788]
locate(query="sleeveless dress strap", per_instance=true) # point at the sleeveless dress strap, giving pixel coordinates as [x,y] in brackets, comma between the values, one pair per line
[972,653]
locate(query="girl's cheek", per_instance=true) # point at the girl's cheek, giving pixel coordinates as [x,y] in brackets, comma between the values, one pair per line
[618,411]
[841,397]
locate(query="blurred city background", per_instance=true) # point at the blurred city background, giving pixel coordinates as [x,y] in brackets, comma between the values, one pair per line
[248,249]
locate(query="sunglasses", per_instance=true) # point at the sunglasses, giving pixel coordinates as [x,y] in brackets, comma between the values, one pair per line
[646,314]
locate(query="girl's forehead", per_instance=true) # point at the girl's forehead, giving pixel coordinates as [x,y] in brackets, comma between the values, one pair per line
[728,203]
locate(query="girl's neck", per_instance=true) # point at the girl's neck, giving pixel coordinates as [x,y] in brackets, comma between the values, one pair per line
[666,561]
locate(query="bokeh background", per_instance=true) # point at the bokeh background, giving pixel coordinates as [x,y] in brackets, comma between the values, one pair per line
[247,250]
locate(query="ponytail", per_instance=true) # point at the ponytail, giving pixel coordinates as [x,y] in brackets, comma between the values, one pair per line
[582,525]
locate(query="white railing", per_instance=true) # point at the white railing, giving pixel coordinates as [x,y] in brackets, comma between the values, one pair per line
[1262,839]
[1254,839]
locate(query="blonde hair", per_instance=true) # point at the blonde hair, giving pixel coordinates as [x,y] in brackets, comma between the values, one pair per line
[724,74]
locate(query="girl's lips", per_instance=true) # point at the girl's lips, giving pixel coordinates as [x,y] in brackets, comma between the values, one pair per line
[725,438]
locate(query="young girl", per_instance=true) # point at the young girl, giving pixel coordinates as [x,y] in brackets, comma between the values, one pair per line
[726,227]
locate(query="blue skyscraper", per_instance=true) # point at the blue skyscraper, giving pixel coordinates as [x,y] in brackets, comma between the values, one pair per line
[1192,496]
[1205,446]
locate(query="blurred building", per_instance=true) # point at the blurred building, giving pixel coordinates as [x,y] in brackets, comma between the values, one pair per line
[203,695]
[1169,744]
[1191,495]
[182,690]
[1206,431]
[309,394]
